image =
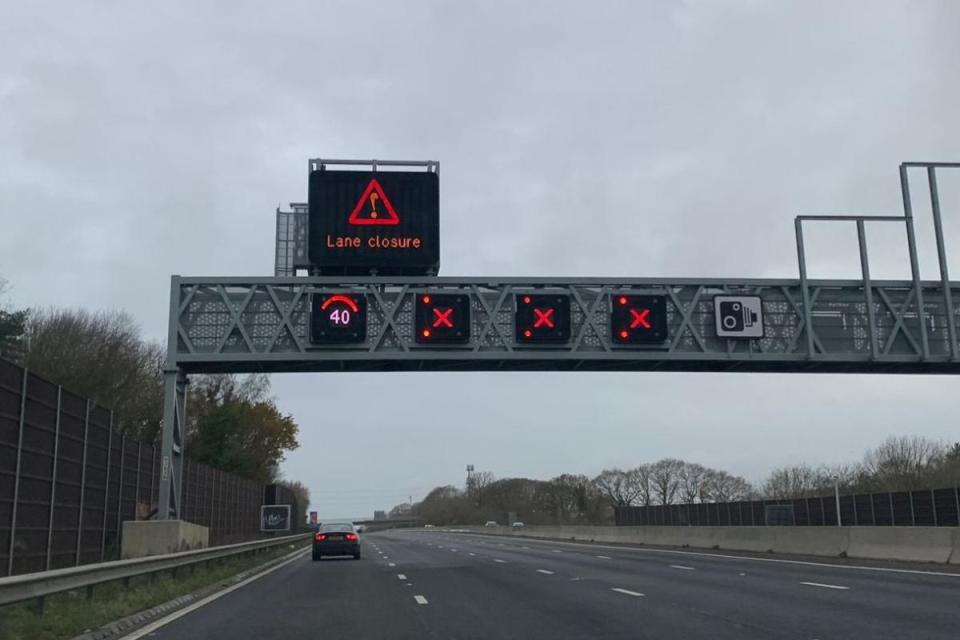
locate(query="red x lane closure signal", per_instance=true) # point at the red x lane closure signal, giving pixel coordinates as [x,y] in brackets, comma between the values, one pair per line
[640,318]
[543,318]
[441,317]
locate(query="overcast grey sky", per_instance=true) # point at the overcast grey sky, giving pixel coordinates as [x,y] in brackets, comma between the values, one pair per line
[611,139]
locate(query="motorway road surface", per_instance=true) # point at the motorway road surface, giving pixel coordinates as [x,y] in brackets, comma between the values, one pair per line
[435,584]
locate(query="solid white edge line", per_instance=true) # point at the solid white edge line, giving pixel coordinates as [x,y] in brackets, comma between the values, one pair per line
[704,554]
[826,586]
[162,622]
[420,599]
[636,594]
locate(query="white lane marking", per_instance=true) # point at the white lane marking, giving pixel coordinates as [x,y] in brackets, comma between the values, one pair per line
[702,554]
[420,599]
[386,557]
[473,554]
[527,548]
[743,574]
[635,594]
[453,550]
[556,550]
[545,572]
[499,560]
[603,557]
[680,566]
[826,586]
[400,576]
[391,564]
[150,628]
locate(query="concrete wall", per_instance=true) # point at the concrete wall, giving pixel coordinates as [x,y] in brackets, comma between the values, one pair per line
[913,544]
[157,537]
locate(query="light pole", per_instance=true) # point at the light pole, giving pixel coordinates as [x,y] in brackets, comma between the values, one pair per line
[836,497]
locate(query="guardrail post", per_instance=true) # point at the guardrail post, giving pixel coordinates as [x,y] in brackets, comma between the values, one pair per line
[16,473]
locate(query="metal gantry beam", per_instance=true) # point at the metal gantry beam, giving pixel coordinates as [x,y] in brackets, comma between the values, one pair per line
[237,325]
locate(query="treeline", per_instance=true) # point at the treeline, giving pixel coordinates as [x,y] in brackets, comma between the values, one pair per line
[232,422]
[897,464]
[574,499]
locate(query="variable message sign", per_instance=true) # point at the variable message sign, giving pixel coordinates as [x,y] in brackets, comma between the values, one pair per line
[383,222]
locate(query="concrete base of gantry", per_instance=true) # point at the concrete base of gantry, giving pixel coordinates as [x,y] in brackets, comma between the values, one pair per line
[156,537]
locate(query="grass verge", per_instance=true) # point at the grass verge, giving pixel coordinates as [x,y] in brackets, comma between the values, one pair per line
[69,614]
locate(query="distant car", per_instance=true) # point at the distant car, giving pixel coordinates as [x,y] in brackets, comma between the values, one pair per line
[359,528]
[491,523]
[336,539]
[517,525]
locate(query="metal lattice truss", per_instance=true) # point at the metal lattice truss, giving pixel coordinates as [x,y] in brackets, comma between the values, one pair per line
[262,324]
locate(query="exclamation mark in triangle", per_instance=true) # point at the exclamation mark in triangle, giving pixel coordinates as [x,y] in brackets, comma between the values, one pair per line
[374,207]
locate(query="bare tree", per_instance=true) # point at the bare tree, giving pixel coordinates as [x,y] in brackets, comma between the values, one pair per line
[797,481]
[901,462]
[665,479]
[620,487]
[720,486]
[692,477]
[477,484]
[642,477]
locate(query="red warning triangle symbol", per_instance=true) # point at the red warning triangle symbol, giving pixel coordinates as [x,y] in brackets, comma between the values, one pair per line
[374,207]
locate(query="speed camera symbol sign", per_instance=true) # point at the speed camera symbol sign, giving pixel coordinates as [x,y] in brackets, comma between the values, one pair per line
[738,316]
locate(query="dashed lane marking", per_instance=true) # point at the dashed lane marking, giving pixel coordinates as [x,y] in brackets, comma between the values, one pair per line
[680,566]
[400,576]
[499,560]
[826,586]
[627,592]
[420,599]
[603,557]
[545,572]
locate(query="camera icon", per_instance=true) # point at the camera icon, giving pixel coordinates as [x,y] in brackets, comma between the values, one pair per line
[735,317]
